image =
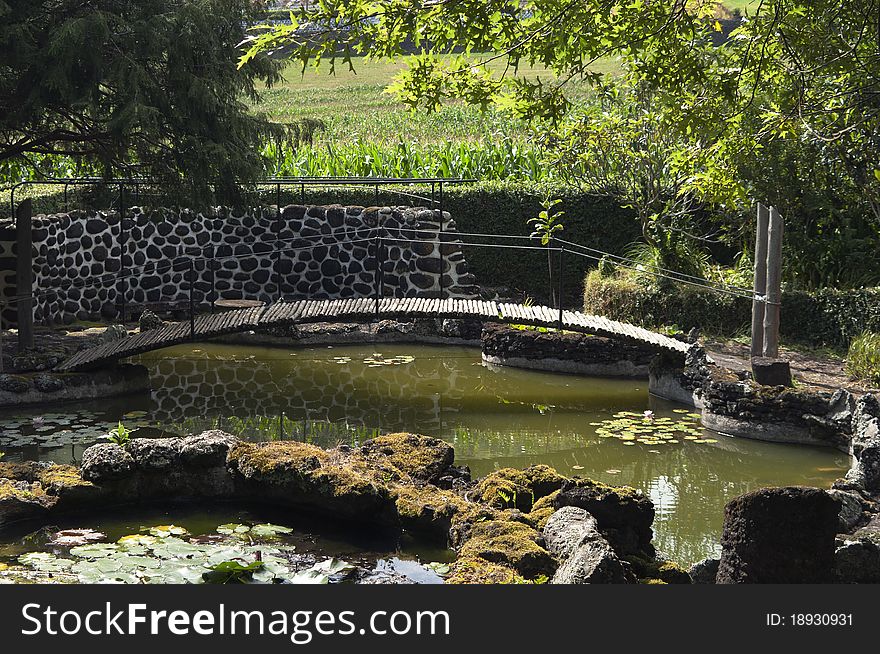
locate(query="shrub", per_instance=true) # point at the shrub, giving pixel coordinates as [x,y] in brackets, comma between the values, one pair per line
[828,317]
[863,358]
[642,302]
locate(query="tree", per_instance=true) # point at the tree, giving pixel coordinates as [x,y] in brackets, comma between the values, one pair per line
[134,87]
[793,70]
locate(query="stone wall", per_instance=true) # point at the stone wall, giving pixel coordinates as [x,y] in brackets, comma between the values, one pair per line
[314,252]
[564,352]
[733,403]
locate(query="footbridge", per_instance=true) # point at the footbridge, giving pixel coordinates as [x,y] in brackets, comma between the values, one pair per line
[362,310]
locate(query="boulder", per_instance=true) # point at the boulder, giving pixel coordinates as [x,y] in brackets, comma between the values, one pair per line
[520,489]
[105,462]
[624,515]
[335,482]
[14,384]
[857,558]
[771,372]
[150,321]
[572,536]
[704,572]
[420,457]
[22,500]
[512,544]
[114,333]
[779,535]
[850,509]
[46,383]
[567,529]
[210,448]
[866,443]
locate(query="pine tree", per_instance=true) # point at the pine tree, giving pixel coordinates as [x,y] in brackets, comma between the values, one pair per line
[135,87]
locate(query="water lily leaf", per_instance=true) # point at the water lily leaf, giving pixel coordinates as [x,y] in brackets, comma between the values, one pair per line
[269,530]
[175,548]
[233,528]
[137,541]
[232,572]
[95,550]
[441,569]
[165,531]
[45,562]
[332,566]
[309,576]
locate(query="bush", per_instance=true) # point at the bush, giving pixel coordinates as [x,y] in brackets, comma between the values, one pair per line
[644,303]
[828,317]
[863,358]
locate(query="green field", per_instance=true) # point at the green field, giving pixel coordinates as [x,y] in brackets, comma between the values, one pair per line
[356,106]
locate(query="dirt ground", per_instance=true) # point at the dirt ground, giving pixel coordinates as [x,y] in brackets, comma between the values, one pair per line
[818,370]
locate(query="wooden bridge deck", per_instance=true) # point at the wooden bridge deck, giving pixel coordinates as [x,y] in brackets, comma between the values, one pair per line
[362,310]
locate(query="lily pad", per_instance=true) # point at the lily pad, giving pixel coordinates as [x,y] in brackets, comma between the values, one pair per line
[268,530]
[166,531]
[95,550]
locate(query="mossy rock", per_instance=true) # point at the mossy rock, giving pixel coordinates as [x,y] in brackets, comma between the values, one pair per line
[541,511]
[428,511]
[672,573]
[520,489]
[475,570]
[22,500]
[419,457]
[334,482]
[509,543]
[624,514]
[668,572]
[56,478]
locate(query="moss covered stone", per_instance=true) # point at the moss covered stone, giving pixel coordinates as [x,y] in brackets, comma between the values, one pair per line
[509,543]
[624,514]
[22,500]
[63,482]
[418,457]
[519,489]
[474,570]
[327,481]
[429,511]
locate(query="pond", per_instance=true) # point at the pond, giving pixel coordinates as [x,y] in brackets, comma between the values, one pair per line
[495,417]
[154,545]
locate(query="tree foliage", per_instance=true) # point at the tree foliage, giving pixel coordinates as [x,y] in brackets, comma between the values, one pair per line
[694,120]
[146,87]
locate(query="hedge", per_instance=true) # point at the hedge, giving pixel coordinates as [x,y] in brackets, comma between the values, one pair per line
[505,208]
[828,317]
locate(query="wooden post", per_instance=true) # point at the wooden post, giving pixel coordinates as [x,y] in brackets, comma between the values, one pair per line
[774,285]
[24,275]
[760,284]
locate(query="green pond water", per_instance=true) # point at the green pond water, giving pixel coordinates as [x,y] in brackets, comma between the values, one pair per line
[496,417]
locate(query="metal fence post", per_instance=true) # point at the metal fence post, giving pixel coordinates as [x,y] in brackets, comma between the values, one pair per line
[211,262]
[380,274]
[278,273]
[559,283]
[123,240]
[192,315]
